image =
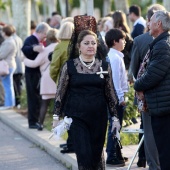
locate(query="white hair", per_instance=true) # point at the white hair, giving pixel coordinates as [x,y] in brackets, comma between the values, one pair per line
[164,17]
[42,27]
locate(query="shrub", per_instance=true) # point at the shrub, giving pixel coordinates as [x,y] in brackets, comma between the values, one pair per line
[131,109]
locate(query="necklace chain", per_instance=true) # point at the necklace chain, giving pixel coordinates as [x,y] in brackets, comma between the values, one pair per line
[87,65]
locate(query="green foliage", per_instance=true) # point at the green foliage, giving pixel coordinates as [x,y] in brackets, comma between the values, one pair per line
[129,139]
[99,4]
[3,5]
[74,3]
[131,109]
[49,117]
[23,99]
[143,4]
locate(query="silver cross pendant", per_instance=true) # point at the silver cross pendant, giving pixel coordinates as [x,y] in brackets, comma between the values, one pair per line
[101,72]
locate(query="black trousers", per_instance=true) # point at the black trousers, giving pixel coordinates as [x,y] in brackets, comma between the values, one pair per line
[17,87]
[33,96]
[142,149]
[161,132]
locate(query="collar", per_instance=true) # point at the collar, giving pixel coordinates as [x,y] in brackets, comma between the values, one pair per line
[161,36]
[36,35]
[141,21]
[120,54]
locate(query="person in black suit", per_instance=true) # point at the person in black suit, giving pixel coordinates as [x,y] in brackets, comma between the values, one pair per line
[32,46]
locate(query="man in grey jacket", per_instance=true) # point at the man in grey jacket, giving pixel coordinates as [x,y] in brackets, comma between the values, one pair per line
[140,48]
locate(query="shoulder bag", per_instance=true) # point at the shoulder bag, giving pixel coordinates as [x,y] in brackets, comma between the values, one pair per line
[4,68]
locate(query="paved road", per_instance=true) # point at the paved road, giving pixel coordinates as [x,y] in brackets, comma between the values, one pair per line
[17,153]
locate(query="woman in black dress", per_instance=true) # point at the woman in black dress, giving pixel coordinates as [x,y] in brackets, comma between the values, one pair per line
[84,92]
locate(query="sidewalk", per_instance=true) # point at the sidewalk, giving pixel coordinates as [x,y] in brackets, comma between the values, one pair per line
[40,138]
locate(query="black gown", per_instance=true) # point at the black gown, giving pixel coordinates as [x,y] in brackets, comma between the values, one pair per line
[84,96]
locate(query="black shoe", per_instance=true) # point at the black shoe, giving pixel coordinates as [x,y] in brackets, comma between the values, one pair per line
[34,126]
[134,120]
[115,163]
[63,145]
[40,128]
[125,159]
[67,150]
[120,156]
[141,162]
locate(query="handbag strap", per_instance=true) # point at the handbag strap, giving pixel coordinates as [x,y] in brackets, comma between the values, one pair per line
[46,67]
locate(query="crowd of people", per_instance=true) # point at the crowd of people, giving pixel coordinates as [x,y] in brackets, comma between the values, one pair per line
[85,66]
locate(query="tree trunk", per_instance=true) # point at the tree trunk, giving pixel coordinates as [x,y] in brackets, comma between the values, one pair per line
[35,14]
[122,5]
[106,7]
[5,15]
[63,7]
[21,17]
[52,6]
[154,1]
[166,4]
[83,7]
[45,15]
[90,7]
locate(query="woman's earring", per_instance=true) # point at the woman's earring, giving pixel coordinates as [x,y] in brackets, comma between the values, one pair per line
[79,51]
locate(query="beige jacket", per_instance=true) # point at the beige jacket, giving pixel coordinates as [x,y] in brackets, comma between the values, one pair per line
[8,52]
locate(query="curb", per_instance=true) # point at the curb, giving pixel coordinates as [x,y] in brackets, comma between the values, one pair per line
[19,123]
[40,138]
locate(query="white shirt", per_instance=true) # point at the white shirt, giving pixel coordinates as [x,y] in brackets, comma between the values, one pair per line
[141,21]
[119,75]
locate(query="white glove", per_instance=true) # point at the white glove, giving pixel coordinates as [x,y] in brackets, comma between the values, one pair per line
[56,120]
[115,124]
[61,128]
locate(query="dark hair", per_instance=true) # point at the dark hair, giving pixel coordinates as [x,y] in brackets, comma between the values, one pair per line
[119,20]
[135,9]
[81,23]
[83,34]
[33,24]
[114,35]
[8,30]
[75,42]
[55,13]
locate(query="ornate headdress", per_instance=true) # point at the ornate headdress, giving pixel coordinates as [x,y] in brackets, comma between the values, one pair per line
[84,22]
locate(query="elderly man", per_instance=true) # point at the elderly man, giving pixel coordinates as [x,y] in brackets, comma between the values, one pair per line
[32,46]
[154,83]
[139,50]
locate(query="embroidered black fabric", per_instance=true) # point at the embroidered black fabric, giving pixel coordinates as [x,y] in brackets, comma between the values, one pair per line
[99,166]
[110,92]
[88,96]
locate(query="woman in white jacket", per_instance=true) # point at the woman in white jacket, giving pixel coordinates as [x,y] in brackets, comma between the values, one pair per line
[47,85]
